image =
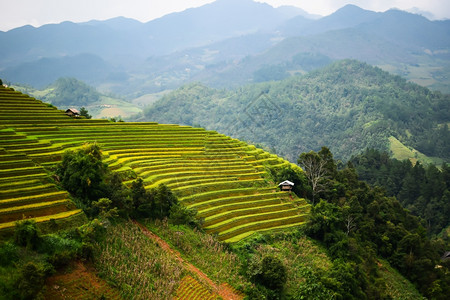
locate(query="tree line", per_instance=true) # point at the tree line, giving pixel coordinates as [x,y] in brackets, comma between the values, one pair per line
[360,223]
[423,190]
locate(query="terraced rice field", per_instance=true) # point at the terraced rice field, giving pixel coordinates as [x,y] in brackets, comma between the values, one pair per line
[222,178]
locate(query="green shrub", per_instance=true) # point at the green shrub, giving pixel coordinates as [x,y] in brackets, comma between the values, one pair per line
[273,273]
[181,215]
[61,250]
[83,173]
[8,254]
[268,271]
[31,280]
[26,234]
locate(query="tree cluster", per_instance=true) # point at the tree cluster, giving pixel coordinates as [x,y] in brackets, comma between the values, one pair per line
[29,258]
[359,223]
[423,190]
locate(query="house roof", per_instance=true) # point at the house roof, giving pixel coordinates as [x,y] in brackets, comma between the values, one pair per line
[73,110]
[446,255]
[287,182]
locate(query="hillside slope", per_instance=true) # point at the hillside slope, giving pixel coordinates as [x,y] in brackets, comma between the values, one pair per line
[224,179]
[348,106]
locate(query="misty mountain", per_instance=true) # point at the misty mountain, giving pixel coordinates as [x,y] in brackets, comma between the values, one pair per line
[211,23]
[405,44]
[226,43]
[121,36]
[86,67]
[346,17]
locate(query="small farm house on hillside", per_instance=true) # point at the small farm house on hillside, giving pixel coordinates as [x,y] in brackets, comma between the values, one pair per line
[286,185]
[72,112]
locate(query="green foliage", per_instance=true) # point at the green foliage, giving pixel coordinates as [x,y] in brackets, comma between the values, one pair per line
[31,280]
[423,190]
[158,203]
[314,287]
[118,194]
[348,106]
[104,206]
[26,263]
[8,254]
[136,265]
[26,234]
[273,273]
[83,173]
[325,219]
[84,113]
[318,168]
[269,73]
[181,215]
[357,223]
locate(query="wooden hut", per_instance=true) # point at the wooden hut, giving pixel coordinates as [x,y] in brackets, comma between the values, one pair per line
[286,185]
[72,112]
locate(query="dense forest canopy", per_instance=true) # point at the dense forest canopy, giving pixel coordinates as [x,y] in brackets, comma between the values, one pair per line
[349,106]
[359,224]
[424,190]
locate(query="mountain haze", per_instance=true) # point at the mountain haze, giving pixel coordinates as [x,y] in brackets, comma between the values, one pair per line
[223,44]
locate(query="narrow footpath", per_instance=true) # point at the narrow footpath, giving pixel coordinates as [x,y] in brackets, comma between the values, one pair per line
[224,290]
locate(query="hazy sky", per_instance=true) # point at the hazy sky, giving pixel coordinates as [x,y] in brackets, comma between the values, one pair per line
[15,13]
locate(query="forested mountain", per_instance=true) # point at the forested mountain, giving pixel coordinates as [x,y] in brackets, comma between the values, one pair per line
[66,92]
[348,106]
[226,43]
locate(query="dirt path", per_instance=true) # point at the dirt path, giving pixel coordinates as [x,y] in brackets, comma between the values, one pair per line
[224,290]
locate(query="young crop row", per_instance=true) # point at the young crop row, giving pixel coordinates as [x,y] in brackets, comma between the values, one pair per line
[33,210]
[36,198]
[14,191]
[137,265]
[191,289]
[203,204]
[238,221]
[248,209]
[73,217]
[260,225]
[215,186]
[189,181]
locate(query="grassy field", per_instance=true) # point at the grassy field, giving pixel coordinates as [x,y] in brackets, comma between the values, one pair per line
[402,152]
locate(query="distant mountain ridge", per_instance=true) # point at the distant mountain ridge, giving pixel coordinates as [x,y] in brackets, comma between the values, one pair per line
[192,27]
[223,44]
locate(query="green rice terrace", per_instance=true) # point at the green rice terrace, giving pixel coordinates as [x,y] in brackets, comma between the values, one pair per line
[224,179]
